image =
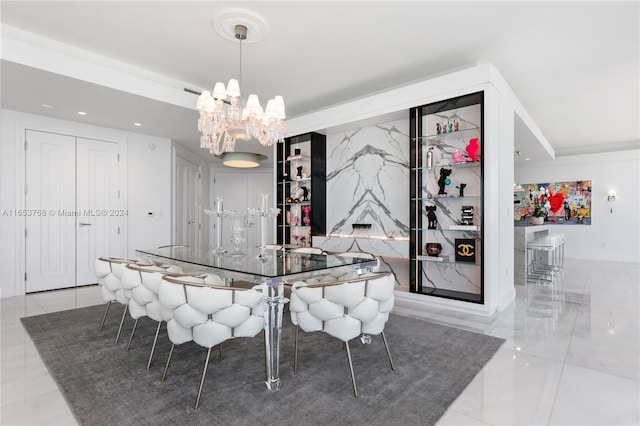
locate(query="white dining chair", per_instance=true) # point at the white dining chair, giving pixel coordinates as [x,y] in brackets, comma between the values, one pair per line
[144,281]
[111,285]
[362,255]
[344,310]
[209,314]
[307,250]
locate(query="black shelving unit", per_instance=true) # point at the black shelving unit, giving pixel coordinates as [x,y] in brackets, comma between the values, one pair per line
[308,152]
[440,134]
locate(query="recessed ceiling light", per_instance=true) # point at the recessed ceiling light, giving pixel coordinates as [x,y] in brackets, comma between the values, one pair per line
[527,159]
[48,106]
[137,124]
[82,113]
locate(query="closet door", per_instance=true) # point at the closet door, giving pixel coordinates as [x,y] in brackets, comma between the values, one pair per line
[187,203]
[97,202]
[50,234]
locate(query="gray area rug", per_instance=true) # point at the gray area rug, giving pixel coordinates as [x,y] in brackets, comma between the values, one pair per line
[105,385]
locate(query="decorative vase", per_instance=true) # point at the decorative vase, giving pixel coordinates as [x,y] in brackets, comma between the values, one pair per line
[537,220]
[433,249]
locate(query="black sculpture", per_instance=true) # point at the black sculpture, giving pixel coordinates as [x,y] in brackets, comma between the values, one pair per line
[461,188]
[431,215]
[299,175]
[444,175]
[305,193]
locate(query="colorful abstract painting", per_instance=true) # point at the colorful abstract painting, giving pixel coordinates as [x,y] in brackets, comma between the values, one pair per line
[563,203]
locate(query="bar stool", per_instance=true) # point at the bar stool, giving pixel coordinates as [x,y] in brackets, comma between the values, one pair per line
[545,258]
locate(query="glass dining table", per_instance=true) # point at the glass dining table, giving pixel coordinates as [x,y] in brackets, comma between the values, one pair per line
[273,268]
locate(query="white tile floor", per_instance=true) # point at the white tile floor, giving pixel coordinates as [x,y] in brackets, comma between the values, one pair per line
[571,357]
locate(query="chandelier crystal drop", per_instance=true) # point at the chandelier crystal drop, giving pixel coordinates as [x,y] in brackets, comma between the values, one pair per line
[222,121]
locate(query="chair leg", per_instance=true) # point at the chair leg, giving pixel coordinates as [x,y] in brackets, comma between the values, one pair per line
[124,314]
[105,315]
[295,352]
[353,376]
[204,374]
[166,367]
[133,331]
[153,347]
[386,346]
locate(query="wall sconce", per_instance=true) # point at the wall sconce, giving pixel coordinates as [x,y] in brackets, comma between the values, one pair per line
[611,197]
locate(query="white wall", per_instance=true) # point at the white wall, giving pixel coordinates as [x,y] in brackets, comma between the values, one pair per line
[148,190]
[146,173]
[611,236]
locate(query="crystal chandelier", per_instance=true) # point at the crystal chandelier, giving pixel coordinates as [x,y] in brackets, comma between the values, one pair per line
[222,121]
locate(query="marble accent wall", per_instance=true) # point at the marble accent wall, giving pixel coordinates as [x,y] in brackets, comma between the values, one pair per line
[368,183]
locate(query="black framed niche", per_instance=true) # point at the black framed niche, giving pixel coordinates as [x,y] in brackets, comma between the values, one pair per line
[301,189]
[447,199]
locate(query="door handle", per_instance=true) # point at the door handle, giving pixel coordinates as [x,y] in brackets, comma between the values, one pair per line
[84,224]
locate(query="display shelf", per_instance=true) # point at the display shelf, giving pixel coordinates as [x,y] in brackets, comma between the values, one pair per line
[451,164]
[301,180]
[455,222]
[303,156]
[442,260]
[445,197]
[440,136]
[448,229]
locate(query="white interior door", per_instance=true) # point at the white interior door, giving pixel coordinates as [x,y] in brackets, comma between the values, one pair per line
[97,202]
[187,203]
[71,208]
[50,231]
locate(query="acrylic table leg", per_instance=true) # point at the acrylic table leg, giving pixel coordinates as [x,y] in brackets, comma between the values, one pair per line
[274,301]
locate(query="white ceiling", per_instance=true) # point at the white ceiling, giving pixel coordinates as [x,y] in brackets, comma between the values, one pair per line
[573,65]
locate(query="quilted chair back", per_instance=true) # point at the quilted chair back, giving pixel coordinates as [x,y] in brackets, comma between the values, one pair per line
[344,309]
[213,312]
[109,272]
[112,281]
[209,314]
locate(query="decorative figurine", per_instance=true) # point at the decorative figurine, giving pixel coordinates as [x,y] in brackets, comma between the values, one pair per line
[305,193]
[461,188]
[458,156]
[444,180]
[438,128]
[467,215]
[472,149]
[299,174]
[433,249]
[455,125]
[431,215]
[450,126]
[306,219]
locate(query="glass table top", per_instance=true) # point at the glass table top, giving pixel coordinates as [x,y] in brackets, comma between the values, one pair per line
[275,263]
